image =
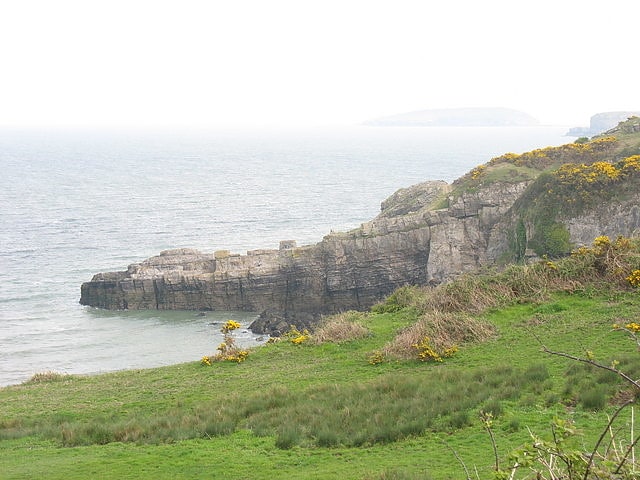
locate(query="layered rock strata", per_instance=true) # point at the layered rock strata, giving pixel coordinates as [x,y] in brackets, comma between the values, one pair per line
[410,242]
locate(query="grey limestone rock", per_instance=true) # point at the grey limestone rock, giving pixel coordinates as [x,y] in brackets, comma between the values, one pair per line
[408,243]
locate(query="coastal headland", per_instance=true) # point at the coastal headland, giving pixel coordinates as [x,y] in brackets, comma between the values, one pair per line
[512,208]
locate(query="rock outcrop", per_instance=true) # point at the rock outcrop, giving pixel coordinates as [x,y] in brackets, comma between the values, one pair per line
[425,234]
[601,122]
[351,270]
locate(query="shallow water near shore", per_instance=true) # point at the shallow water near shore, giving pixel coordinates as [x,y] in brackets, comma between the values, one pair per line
[75,203]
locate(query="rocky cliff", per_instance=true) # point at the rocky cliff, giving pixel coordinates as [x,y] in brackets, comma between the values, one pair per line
[601,122]
[424,234]
[350,270]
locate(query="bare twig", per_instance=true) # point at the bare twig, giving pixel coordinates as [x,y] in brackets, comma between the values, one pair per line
[590,361]
[604,432]
[455,454]
[486,421]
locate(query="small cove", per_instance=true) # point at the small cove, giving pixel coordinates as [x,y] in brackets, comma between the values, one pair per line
[75,203]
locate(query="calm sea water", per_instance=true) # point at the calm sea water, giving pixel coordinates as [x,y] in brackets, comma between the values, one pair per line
[74,203]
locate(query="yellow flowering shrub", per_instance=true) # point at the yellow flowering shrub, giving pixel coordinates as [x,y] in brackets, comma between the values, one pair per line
[633,327]
[376,358]
[601,242]
[237,356]
[230,325]
[617,259]
[542,158]
[295,336]
[478,171]
[582,175]
[631,164]
[227,350]
[427,353]
[450,351]
[634,278]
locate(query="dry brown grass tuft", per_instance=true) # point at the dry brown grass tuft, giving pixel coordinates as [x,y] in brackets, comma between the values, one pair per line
[48,377]
[342,327]
[444,331]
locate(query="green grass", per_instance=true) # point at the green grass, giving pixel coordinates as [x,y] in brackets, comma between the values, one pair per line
[321,411]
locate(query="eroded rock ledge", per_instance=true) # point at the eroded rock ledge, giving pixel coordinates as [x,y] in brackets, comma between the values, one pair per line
[410,242]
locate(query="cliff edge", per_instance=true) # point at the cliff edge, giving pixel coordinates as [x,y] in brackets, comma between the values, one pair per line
[513,207]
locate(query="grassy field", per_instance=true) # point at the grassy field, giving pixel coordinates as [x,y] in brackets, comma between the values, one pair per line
[351,409]
[440,383]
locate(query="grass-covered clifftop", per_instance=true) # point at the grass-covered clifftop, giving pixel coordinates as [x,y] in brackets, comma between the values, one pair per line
[360,406]
[563,183]
[612,146]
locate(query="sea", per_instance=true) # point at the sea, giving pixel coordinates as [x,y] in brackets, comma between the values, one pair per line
[77,202]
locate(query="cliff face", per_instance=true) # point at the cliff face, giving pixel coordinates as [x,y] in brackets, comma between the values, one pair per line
[425,234]
[344,271]
[601,122]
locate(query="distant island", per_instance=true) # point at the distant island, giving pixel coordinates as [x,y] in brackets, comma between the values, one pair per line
[601,122]
[458,117]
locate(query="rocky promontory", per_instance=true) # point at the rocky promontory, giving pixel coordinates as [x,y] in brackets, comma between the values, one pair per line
[425,234]
[601,122]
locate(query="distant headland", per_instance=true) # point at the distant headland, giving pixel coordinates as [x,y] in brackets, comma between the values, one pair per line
[513,208]
[458,117]
[601,122]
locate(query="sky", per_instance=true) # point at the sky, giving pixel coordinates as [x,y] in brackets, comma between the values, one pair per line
[266,63]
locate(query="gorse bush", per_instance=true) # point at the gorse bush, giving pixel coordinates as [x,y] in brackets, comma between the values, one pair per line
[610,260]
[634,278]
[544,158]
[295,336]
[570,190]
[227,350]
[528,165]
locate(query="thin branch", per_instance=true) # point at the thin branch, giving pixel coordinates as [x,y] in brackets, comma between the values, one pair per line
[604,432]
[588,361]
[455,454]
[486,420]
[626,455]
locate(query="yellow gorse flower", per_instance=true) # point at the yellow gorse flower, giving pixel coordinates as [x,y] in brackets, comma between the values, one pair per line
[230,325]
[634,278]
[633,327]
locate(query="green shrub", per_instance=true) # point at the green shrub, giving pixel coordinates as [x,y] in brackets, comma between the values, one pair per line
[326,438]
[288,436]
[402,298]
[536,373]
[493,406]
[551,239]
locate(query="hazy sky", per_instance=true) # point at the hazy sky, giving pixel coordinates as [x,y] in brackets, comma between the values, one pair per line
[279,62]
